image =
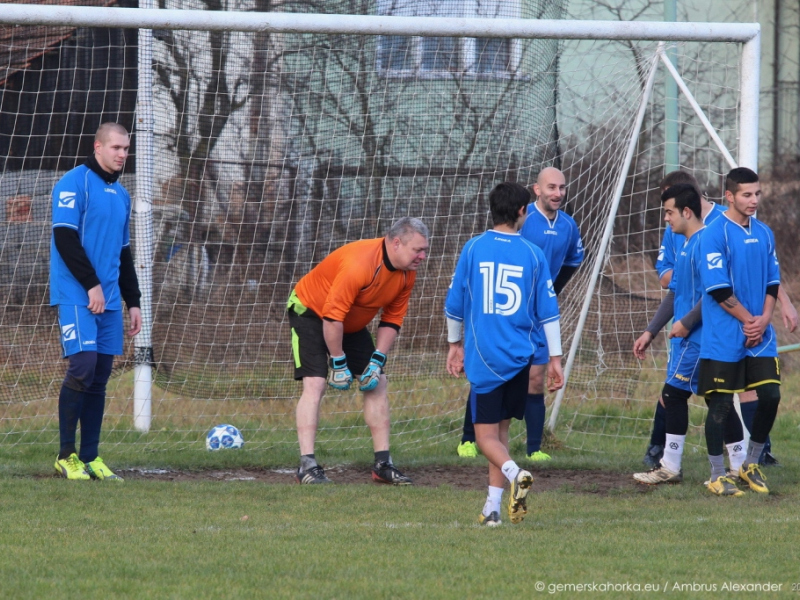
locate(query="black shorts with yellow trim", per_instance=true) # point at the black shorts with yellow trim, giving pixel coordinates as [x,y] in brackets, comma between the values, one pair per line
[736,377]
[310,352]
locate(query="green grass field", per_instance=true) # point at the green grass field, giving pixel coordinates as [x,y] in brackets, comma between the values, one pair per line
[204,538]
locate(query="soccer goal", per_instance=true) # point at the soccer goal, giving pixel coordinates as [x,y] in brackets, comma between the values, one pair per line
[264,140]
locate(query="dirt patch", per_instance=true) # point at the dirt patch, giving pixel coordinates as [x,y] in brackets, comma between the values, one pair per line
[462,477]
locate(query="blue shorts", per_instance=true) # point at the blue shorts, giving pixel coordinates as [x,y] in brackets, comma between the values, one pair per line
[82,331]
[683,369]
[507,401]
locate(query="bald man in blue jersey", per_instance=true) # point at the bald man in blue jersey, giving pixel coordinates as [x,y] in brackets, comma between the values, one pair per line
[91,273]
[557,234]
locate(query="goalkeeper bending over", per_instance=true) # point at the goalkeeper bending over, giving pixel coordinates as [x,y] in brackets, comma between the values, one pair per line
[329,311]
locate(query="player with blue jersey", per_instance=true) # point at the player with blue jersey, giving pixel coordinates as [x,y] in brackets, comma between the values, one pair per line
[557,234]
[501,309]
[741,278]
[683,214]
[91,273]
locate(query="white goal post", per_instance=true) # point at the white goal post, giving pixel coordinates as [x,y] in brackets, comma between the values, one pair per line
[194,267]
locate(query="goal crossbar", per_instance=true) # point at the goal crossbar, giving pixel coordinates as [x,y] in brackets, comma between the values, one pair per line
[138,18]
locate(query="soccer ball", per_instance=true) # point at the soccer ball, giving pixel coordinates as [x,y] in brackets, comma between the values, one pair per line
[223,437]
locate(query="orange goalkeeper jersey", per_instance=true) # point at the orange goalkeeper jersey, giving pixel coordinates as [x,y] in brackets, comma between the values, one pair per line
[353,283]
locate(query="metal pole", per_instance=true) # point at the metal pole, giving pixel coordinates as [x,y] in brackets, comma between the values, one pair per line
[672,160]
[748,113]
[137,18]
[143,231]
[604,243]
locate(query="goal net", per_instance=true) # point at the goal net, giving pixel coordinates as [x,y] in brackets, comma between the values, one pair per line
[269,149]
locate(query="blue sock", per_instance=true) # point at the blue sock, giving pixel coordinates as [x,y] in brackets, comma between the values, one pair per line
[534,420]
[69,411]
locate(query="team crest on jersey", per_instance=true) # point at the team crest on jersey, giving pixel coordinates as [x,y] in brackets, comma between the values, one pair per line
[714,260]
[68,332]
[551,290]
[66,200]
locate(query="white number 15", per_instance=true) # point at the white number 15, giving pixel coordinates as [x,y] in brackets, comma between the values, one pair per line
[496,281]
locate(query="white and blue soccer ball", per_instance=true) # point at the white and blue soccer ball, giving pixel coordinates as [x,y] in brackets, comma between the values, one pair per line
[224,437]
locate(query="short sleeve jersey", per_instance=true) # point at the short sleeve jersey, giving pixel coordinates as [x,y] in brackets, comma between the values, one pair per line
[744,259]
[355,282]
[559,239]
[100,213]
[686,282]
[672,241]
[503,293]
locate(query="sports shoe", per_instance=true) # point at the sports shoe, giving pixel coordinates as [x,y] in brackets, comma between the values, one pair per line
[493,520]
[659,475]
[97,469]
[517,505]
[313,475]
[538,456]
[72,468]
[652,458]
[385,472]
[467,449]
[768,460]
[724,486]
[753,477]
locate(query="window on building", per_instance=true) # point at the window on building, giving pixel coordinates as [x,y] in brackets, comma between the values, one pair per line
[401,56]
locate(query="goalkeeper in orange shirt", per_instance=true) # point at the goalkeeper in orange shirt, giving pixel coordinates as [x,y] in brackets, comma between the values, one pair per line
[329,311]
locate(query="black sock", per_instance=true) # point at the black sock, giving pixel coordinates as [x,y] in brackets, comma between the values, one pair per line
[382,456]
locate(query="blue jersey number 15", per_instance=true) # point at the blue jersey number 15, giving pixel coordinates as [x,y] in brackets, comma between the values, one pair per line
[497,281]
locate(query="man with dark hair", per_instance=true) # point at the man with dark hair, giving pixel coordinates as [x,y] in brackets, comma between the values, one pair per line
[91,273]
[683,214]
[503,292]
[557,234]
[741,278]
[329,311]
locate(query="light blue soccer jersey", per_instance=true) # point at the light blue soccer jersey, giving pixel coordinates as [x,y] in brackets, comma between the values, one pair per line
[742,258]
[559,239]
[100,213]
[686,282]
[503,293]
[671,241]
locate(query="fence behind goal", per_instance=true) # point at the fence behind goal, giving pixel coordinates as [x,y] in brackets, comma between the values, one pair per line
[270,149]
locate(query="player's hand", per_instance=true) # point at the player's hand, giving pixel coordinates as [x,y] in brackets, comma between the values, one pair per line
[642,344]
[339,376]
[97,301]
[678,330]
[455,359]
[371,377]
[136,320]
[789,314]
[755,326]
[555,375]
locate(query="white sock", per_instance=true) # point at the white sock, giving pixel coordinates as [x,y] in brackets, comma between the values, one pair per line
[493,501]
[673,452]
[510,470]
[736,455]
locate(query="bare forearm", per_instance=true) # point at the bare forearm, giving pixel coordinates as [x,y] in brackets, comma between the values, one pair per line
[385,338]
[333,331]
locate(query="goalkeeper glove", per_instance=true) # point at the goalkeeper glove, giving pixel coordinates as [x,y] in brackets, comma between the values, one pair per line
[339,377]
[372,374]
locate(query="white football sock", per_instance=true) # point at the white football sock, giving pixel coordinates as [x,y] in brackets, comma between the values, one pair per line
[673,452]
[493,501]
[510,470]
[736,455]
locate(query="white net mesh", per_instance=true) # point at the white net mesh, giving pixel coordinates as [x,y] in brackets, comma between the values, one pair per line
[271,150]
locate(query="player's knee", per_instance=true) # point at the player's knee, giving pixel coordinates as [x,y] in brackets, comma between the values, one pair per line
[102,372]
[536,380]
[769,394]
[674,396]
[81,371]
[719,405]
